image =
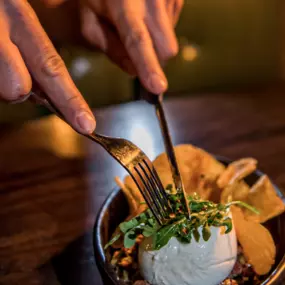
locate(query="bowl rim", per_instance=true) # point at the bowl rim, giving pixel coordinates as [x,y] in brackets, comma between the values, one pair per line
[275,278]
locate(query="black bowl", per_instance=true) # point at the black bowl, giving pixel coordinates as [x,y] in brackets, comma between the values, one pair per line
[116,209]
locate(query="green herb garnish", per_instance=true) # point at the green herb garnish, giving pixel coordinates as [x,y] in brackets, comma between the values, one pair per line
[204,215]
[112,241]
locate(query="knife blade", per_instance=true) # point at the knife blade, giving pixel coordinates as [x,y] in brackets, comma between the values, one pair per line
[156,100]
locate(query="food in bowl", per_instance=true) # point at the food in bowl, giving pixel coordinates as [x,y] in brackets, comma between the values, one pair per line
[224,242]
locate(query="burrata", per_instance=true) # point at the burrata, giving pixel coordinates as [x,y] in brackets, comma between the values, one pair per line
[195,263]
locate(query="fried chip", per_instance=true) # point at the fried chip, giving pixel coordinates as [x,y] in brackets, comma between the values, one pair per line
[134,197]
[237,191]
[256,241]
[132,201]
[203,174]
[236,171]
[264,198]
[199,170]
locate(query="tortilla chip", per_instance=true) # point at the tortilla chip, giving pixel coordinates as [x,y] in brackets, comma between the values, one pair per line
[237,191]
[133,203]
[203,174]
[199,170]
[236,171]
[264,198]
[134,197]
[256,241]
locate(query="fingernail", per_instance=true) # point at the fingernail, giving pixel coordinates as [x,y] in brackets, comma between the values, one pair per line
[157,83]
[21,99]
[86,122]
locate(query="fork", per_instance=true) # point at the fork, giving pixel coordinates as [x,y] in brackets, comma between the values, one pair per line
[132,158]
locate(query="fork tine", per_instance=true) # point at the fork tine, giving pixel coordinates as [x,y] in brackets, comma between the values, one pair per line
[152,190]
[158,183]
[144,188]
[157,188]
[140,182]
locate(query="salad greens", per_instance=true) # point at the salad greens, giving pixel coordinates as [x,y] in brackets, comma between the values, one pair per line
[204,214]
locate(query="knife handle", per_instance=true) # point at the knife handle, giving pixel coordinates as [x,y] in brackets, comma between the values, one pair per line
[152,98]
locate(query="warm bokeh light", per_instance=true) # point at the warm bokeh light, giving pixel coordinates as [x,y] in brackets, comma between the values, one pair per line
[189,52]
[59,137]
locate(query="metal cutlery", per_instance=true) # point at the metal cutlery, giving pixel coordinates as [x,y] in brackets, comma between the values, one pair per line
[132,159]
[156,100]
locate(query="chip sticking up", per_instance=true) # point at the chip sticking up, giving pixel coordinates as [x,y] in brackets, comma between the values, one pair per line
[264,198]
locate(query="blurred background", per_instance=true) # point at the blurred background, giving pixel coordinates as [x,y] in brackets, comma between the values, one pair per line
[225,46]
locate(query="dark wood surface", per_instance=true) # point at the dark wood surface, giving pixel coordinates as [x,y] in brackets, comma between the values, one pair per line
[52,181]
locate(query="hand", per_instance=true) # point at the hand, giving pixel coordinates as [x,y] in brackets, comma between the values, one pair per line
[135,34]
[26,50]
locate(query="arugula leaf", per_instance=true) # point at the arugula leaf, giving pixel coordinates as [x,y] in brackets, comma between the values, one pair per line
[163,236]
[204,215]
[153,222]
[130,239]
[142,217]
[124,227]
[149,231]
[229,225]
[134,222]
[113,240]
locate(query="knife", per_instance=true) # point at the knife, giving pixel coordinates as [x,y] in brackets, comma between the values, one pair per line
[156,100]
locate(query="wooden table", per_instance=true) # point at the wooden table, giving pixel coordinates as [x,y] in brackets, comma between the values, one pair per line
[52,181]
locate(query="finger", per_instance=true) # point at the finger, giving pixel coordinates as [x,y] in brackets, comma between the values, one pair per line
[137,41]
[47,67]
[91,28]
[116,50]
[161,29]
[15,81]
[169,8]
[174,8]
[100,34]
[177,8]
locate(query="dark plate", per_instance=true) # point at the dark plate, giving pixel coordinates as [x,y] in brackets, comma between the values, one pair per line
[116,209]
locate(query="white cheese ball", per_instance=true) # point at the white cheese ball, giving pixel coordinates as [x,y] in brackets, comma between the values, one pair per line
[203,263]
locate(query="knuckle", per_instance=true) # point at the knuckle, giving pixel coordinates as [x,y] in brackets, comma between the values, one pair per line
[74,100]
[71,102]
[52,65]
[137,37]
